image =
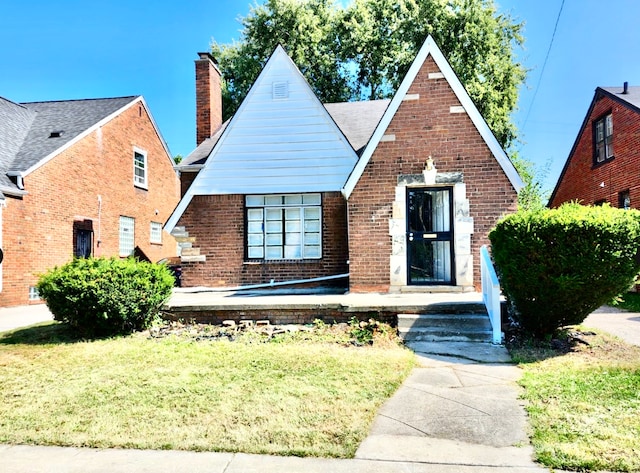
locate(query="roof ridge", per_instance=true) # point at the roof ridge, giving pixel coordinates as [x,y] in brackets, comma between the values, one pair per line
[132,97]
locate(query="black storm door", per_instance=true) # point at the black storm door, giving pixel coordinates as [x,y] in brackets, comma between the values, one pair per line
[430,236]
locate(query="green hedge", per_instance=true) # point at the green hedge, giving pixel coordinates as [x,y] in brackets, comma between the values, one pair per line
[556,266]
[100,296]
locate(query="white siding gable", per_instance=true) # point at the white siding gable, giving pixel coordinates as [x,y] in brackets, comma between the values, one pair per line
[281,140]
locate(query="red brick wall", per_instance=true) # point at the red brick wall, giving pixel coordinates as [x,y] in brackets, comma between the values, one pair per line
[423,127]
[217,223]
[208,98]
[38,230]
[582,180]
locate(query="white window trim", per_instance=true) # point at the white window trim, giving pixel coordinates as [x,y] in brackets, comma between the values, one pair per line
[132,220]
[284,207]
[157,232]
[136,182]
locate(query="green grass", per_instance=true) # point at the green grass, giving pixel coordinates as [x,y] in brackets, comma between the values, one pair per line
[584,405]
[296,397]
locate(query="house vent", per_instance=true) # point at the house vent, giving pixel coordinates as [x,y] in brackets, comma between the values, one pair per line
[280,90]
[56,134]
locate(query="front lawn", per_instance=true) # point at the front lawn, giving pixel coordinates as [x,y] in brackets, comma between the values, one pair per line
[296,395]
[583,405]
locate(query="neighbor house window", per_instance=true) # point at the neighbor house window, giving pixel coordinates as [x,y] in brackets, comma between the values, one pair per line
[284,226]
[127,232]
[140,168]
[33,293]
[603,139]
[156,232]
[624,200]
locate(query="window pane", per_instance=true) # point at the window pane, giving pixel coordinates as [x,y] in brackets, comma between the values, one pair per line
[312,225]
[311,251]
[255,252]
[293,238]
[255,200]
[293,226]
[274,227]
[254,215]
[609,123]
[293,199]
[312,213]
[292,252]
[311,238]
[156,232]
[274,214]
[311,199]
[127,240]
[292,214]
[254,227]
[274,252]
[274,239]
[272,200]
[256,239]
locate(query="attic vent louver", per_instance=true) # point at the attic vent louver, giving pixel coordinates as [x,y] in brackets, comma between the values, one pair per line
[280,90]
[56,134]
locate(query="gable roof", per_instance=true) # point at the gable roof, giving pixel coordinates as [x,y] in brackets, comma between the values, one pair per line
[429,48]
[356,120]
[281,140]
[630,100]
[26,140]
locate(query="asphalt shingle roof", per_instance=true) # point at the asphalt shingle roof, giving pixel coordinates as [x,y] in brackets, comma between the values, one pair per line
[26,129]
[632,96]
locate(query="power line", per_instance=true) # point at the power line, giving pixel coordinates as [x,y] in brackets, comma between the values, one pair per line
[544,64]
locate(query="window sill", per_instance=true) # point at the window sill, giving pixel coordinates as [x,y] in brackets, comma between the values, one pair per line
[602,163]
[141,187]
[252,262]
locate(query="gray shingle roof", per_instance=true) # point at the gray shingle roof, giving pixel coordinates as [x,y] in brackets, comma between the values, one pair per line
[632,97]
[26,129]
[357,120]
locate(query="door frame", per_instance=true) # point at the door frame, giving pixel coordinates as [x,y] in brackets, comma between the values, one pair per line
[438,236]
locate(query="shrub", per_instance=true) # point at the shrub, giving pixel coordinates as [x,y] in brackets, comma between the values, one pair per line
[556,266]
[100,296]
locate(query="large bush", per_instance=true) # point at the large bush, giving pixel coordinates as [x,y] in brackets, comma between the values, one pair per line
[556,266]
[101,296]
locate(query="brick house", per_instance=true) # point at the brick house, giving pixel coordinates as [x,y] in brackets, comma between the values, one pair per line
[394,195]
[80,177]
[603,163]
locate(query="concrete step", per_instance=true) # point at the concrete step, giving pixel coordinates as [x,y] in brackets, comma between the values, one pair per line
[451,327]
[190,252]
[461,321]
[444,335]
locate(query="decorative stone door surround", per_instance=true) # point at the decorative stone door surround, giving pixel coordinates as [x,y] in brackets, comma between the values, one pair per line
[462,227]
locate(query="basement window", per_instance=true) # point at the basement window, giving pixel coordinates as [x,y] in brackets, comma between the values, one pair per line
[283,227]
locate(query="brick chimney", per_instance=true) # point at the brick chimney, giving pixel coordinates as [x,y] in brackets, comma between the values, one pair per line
[208,97]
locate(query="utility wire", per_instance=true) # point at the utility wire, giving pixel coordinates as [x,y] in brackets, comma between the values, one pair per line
[544,64]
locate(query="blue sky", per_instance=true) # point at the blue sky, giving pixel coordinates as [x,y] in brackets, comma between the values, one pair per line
[74,49]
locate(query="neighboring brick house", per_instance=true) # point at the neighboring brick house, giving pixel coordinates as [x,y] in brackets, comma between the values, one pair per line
[604,162]
[80,177]
[396,194]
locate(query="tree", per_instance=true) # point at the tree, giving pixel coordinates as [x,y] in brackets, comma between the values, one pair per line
[363,50]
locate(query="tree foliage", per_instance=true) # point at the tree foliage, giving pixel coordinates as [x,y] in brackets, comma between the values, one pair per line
[363,50]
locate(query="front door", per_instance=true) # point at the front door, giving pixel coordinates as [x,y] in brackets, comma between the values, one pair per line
[430,236]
